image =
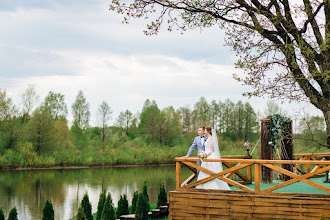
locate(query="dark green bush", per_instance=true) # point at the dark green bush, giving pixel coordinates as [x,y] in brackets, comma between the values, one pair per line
[2,216]
[142,208]
[134,201]
[122,206]
[13,214]
[100,205]
[162,196]
[48,211]
[81,215]
[108,212]
[87,207]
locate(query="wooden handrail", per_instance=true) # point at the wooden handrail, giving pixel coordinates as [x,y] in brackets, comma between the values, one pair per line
[321,167]
[311,154]
[195,159]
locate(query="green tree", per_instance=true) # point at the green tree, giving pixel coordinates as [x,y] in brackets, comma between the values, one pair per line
[273,108]
[201,113]
[48,211]
[169,126]
[251,126]
[134,201]
[13,214]
[162,196]
[2,215]
[122,208]
[186,118]
[150,121]
[100,205]
[81,214]
[214,114]
[41,130]
[125,119]
[54,103]
[87,207]
[81,115]
[104,115]
[292,36]
[142,208]
[145,190]
[108,212]
[30,98]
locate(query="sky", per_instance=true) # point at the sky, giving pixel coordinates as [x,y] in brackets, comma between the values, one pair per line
[68,45]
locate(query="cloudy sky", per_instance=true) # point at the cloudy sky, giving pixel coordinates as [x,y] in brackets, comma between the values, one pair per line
[69,45]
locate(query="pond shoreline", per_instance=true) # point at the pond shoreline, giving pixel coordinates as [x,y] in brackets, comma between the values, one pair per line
[72,167]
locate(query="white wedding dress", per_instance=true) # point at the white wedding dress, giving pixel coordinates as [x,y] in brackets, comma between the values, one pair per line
[211,146]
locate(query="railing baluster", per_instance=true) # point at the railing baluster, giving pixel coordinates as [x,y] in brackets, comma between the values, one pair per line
[257,177]
[249,172]
[178,175]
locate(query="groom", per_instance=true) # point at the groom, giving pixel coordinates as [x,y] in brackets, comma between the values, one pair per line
[199,142]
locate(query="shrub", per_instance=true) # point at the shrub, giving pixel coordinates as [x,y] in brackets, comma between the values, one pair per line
[108,212]
[142,208]
[100,205]
[81,215]
[13,214]
[134,201]
[27,152]
[48,211]
[162,196]
[122,206]
[87,207]
[145,190]
[2,216]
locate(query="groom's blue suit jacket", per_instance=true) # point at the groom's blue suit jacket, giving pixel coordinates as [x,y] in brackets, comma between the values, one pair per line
[197,142]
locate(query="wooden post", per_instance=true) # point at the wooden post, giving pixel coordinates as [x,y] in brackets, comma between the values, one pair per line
[287,149]
[178,175]
[249,173]
[266,150]
[257,177]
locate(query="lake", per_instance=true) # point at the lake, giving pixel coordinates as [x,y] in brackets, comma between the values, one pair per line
[28,190]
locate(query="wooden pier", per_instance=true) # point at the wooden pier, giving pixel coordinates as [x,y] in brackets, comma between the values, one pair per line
[266,202]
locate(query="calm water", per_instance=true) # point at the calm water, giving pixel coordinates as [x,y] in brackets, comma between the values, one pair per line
[29,190]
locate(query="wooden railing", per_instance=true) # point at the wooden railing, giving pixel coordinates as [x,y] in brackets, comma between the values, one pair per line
[309,156]
[321,166]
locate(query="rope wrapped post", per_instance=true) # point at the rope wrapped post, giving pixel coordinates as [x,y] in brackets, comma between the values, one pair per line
[287,149]
[266,150]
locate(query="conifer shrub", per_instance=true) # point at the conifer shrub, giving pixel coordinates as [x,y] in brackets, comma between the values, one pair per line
[13,214]
[122,206]
[48,211]
[108,212]
[87,207]
[100,205]
[162,196]
[81,214]
[145,190]
[142,208]
[134,201]
[2,215]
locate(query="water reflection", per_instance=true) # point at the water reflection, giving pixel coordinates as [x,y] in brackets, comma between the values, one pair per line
[29,190]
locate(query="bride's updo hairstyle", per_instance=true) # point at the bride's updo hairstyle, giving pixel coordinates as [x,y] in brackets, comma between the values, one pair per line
[209,129]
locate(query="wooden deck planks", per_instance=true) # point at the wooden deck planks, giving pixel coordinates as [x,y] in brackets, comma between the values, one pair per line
[240,205]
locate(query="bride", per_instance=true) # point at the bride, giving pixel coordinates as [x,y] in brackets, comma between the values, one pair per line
[213,152]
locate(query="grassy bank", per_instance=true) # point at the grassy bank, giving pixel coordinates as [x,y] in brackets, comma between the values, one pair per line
[130,152]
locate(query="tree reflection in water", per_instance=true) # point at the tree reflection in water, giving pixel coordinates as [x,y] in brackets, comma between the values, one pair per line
[29,190]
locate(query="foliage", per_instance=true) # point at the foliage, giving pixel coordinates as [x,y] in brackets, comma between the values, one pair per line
[122,208]
[29,99]
[125,120]
[81,214]
[104,114]
[134,201]
[48,211]
[162,196]
[108,212]
[87,207]
[55,105]
[2,215]
[13,214]
[142,207]
[100,205]
[276,125]
[81,115]
[145,191]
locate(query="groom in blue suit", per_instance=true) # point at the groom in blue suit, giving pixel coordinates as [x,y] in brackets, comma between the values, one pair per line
[199,142]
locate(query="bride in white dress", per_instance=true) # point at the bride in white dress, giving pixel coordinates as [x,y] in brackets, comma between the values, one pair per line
[213,152]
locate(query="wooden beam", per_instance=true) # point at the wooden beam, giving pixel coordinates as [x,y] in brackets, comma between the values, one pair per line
[257,177]
[189,179]
[236,172]
[178,175]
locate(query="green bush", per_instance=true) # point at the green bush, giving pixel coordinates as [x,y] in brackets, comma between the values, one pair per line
[134,201]
[145,193]
[13,214]
[122,206]
[2,216]
[25,149]
[81,215]
[142,208]
[162,196]
[48,211]
[100,205]
[108,212]
[87,207]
